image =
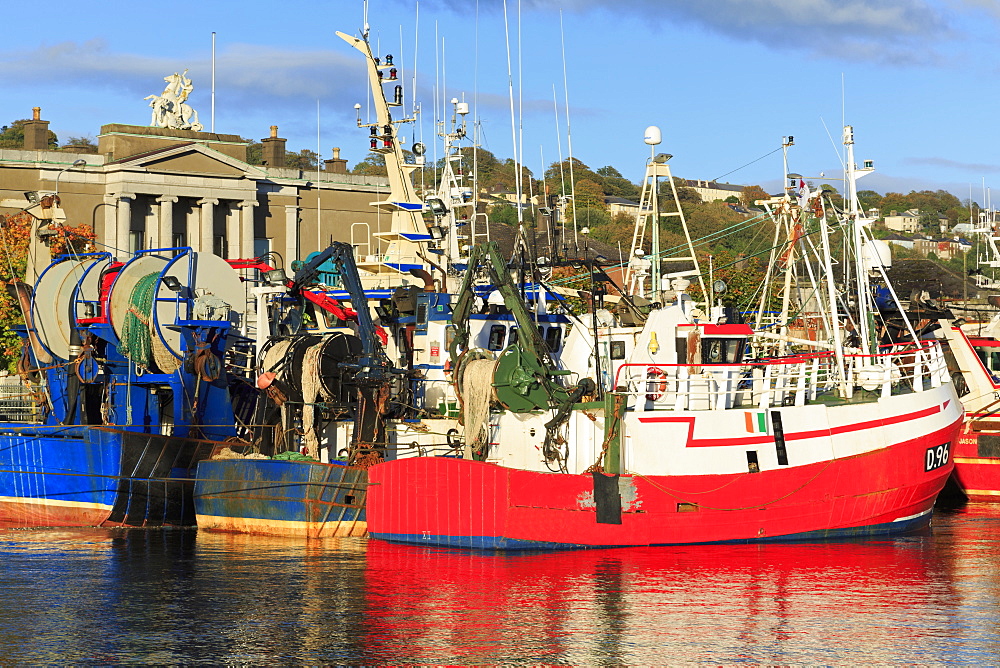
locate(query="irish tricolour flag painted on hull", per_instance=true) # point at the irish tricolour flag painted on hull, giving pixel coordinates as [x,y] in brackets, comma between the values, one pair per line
[756,422]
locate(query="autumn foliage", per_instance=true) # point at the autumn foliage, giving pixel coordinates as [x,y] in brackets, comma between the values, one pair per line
[15,235]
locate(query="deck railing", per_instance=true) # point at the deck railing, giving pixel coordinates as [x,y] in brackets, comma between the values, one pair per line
[787,381]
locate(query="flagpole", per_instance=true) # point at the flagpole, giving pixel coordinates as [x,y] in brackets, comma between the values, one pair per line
[213,81]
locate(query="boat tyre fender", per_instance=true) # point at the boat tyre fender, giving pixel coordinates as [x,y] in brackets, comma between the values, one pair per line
[656,383]
[958,380]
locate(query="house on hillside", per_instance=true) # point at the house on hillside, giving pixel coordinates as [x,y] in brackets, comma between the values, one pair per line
[906,222]
[710,191]
[618,205]
[898,240]
[943,247]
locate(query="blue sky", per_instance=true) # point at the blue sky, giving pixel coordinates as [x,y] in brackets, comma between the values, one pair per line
[725,80]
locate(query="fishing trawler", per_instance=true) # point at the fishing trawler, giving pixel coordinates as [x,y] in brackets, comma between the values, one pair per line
[126,386]
[975,351]
[348,388]
[667,432]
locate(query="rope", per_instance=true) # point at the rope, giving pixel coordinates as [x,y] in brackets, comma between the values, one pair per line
[137,331]
[312,387]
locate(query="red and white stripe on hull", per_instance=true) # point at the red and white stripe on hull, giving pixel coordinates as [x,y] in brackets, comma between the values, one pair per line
[20,512]
[289,528]
[444,496]
[977,476]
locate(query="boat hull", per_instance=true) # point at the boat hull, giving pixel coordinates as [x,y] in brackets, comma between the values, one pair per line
[281,498]
[446,501]
[977,465]
[95,476]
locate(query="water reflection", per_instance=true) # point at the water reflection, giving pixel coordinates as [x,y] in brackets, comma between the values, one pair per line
[170,596]
[788,603]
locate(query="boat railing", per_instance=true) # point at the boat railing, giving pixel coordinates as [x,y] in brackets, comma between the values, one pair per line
[788,381]
[897,368]
[18,400]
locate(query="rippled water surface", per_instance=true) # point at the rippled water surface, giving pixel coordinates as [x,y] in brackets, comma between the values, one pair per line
[151,596]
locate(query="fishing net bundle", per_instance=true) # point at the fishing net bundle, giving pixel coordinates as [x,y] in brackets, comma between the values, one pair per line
[477,394]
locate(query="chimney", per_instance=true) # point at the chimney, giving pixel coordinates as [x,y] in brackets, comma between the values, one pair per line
[336,166]
[36,132]
[274,149]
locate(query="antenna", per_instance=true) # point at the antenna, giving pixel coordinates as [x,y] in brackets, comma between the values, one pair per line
[513,120]
[569,133]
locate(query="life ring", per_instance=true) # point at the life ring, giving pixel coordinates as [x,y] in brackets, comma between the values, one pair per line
[654,374]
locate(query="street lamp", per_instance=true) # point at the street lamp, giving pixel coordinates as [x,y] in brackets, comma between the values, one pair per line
[79,162]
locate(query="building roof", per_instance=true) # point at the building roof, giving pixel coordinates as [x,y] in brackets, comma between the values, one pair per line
[541,245]
[712,185]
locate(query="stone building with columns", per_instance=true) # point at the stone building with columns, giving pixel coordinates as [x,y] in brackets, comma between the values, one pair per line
[151,187]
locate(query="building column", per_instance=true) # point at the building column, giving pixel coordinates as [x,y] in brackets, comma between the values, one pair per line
[241,239]
[124,221]
[291,234]
[165,222]
[110,236]
[207,224]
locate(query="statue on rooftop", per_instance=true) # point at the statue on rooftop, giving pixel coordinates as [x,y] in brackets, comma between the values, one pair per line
[171,110]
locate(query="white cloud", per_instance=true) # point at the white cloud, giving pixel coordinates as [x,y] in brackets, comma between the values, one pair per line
[974,167]
[899,32]
[257,72]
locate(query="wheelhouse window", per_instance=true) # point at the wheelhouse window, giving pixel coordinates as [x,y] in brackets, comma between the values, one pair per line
[497,335]
[553,339]
[721,351]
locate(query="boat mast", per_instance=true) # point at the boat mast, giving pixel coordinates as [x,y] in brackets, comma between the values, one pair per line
[451,195]
[866,312]
[407,231]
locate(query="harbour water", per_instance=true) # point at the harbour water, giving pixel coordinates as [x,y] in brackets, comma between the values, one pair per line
[86,596]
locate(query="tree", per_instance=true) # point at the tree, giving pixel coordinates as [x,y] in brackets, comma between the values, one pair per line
[503,213]
[618,230]
[685,193]
[372,165]
[869,199]
[750,194]
[83,144]
[255,152]
[833,195]
[615,186]
[560,177]
[15,233]
[592,217]
[12,136]
[305,160]
[608,170]
[589,194]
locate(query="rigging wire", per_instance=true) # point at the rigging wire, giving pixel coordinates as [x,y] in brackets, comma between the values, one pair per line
[748,164]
